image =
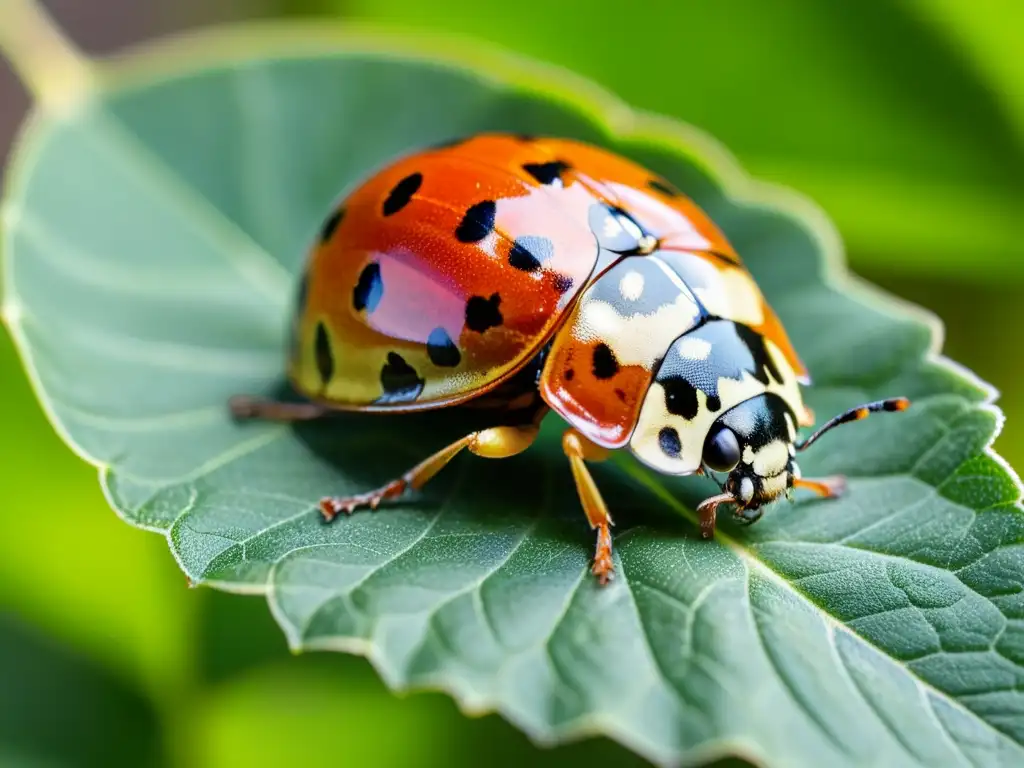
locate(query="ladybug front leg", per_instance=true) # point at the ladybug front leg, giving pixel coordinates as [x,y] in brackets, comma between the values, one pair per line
[494,443]
[579,450]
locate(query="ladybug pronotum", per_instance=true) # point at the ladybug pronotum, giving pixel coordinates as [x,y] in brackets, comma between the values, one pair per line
[530,275]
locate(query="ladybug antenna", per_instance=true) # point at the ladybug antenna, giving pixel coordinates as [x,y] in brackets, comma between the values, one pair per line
[856,414]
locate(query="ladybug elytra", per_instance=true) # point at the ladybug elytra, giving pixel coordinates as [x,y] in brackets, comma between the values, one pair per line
[532,275]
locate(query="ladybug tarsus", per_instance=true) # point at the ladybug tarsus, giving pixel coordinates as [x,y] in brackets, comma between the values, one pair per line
[332,506]
[604,566]
[244,407]
[707,513]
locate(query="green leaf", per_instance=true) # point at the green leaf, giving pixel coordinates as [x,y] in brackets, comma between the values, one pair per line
[153,236]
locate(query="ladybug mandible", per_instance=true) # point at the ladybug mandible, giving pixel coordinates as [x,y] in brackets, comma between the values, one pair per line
[526,275]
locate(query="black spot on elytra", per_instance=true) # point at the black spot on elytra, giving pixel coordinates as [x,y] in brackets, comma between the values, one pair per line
[298,310]
[478,222]
[402,193]
[562,283]
[763,363]
[482,313]
[546,173]
[369,289]
[399,380]
[324,356]
[668,439]
[605,364]
[680,397]
[529,252]
[525,136]
[442,350]
[330,225]
[714,403]
[660,185]
[569,374]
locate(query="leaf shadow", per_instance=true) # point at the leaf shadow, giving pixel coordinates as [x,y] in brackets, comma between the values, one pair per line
[369,449]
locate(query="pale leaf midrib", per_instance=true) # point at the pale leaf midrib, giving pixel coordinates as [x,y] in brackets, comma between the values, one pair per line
[265,273]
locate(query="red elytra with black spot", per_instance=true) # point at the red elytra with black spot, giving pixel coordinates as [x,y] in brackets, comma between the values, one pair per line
[452,269]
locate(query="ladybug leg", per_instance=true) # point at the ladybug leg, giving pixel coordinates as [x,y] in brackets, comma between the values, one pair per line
[244,407]
[707,513]
[827,487]
[415,478]
[494,443]
[580,450]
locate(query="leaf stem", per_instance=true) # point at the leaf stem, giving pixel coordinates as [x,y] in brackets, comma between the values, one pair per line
[52,68]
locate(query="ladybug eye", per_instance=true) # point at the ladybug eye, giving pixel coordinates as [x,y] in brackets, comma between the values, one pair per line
[722,449]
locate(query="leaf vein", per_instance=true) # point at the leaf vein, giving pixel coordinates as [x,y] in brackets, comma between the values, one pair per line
[787,683]
[261,270]
[870,701]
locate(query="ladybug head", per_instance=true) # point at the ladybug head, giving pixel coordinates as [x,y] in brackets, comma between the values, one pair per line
[755,443]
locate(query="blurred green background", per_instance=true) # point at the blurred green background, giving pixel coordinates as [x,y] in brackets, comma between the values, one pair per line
[903,119]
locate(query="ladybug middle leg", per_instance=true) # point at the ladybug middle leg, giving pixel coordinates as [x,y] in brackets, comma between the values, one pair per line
[244,407]
[494,443]
[580,450]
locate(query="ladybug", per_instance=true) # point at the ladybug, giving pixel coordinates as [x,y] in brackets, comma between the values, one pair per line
[526,275]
